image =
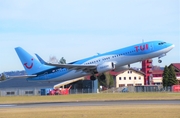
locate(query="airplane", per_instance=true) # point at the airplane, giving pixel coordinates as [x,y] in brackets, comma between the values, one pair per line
[117,60]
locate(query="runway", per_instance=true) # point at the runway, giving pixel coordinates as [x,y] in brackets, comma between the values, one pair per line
[92,103]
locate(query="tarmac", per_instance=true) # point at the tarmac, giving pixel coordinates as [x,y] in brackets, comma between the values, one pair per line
[92,103]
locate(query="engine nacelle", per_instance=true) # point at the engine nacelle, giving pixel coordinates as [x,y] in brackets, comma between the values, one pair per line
[107,66]
[122,68]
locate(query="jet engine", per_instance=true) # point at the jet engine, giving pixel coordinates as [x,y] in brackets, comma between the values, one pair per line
[107,66]
[121,68]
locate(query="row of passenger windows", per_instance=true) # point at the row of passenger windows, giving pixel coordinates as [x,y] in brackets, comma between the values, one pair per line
[93,62]
[61,70]
[53,71]
[107,58]
[130,78]
[124,53]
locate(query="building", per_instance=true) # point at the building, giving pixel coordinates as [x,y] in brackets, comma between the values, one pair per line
[130,77]
[177,71]
[158,74]
[157,77]
[147,69]
[14,87]
[20,87]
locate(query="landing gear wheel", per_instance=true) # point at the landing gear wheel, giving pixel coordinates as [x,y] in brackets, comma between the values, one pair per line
[160,61]
[92,78]
[102,77]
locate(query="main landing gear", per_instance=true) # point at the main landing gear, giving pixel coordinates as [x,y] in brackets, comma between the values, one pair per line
[93,77]
[101,77]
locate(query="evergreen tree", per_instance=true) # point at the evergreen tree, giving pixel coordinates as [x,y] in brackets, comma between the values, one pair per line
[165,77]
[62,61]
[172,77]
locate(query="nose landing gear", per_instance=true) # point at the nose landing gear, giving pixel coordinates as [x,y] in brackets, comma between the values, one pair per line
[160,61]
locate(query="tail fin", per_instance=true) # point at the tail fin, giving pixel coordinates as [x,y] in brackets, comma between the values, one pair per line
[30,64]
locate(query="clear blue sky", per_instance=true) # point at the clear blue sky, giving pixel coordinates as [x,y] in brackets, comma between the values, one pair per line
[76,29]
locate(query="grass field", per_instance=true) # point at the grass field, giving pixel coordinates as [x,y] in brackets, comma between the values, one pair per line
[90,97]
[122,111]
[116,111]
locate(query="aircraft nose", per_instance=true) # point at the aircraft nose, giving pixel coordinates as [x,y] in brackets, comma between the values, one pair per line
[171,46]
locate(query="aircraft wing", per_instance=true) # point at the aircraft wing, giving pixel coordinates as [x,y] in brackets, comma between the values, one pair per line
[73,66]
[22,76]
[77,67]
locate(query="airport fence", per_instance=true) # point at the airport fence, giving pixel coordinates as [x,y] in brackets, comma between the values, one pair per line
[37,91]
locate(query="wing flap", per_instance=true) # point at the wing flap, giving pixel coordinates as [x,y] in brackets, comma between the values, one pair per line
[67,82]
[22,76]
[72,66]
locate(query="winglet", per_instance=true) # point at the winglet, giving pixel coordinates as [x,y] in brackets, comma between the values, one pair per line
[40,59]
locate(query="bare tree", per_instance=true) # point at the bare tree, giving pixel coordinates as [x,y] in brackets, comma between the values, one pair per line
[53,59]
[3,77]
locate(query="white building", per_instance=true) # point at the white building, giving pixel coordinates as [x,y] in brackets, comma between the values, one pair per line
[130,77]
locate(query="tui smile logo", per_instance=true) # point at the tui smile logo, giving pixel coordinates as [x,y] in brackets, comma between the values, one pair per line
[29,67]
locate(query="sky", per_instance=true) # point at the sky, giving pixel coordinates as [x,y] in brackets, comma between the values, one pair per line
[76,29]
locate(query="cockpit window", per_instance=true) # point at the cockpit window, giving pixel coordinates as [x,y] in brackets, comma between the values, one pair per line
[161,43]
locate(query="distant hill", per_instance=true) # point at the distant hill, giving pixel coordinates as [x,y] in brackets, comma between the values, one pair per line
[157,68]
[15,73]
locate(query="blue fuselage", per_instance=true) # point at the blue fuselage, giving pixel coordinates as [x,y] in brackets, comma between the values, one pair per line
[120,57]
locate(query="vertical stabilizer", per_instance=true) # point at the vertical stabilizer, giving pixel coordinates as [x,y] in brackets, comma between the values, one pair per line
[30,64]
